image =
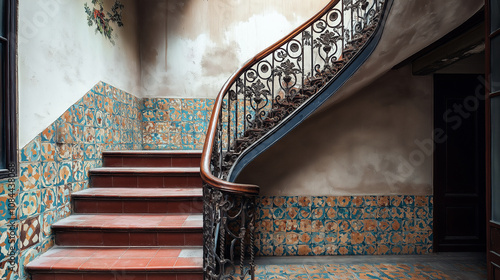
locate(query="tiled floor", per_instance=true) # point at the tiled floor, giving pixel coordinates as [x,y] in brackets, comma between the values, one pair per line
[453,266]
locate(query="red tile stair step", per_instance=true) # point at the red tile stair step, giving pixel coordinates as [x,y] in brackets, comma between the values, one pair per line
[130,230]
[145,177]
[138,200]
[151,158]
[141,219]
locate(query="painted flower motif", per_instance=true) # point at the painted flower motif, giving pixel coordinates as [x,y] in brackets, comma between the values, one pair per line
[103,20]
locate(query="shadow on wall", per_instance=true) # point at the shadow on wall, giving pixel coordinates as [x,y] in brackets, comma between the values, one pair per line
[357,147]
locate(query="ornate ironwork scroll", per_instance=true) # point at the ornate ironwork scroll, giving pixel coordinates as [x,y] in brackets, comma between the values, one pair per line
[269,90]
[228,228]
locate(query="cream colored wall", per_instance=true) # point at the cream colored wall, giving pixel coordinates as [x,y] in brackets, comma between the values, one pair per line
[189,48]
[362,140]
[376,142]
[411,26]
[60,58]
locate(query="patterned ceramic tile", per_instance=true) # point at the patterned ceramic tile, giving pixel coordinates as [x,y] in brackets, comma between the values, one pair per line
[30,232]
[31,152]
[359,224]
[29,176]
[29,204]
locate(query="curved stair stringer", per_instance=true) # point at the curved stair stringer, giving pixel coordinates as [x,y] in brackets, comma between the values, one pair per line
[312,104]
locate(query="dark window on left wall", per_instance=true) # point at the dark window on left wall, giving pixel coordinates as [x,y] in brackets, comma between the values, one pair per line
[8,122]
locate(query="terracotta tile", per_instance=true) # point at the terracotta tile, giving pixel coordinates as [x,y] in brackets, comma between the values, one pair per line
[125,181]
[85,206]
[196,182]
[76,253]
[163,276]
[112,161]
[157,206]
[106,253]
[68,276]
[183,162]
[178,207]
[67,238]
[98,276]
[193,239]
[175,182]
[189,262]
[135,207]
[69,263]
[110,206]
[116,239]
[190,276]
[98,264]
[170,239]
[139,253]
[133,162]
[44,262]
[150,182]
[43,277]
[162,262]
[101,181]
[196,206]
[131,263]
[131,276]
[157,162]
[143,239]
[168,253]
[90,238]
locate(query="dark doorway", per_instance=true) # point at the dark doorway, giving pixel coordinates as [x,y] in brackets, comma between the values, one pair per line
[459,163]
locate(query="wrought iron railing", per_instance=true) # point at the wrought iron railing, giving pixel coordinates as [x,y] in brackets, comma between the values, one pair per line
[263,94]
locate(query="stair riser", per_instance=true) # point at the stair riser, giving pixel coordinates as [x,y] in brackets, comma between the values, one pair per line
[135,161]
[97,205]
[117,238]
[119,275]
[121,181]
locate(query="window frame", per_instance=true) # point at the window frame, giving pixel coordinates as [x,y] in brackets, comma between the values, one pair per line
[9,118]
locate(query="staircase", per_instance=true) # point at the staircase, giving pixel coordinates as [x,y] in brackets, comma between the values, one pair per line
[141,219]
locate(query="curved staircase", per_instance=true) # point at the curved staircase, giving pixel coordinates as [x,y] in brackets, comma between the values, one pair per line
[264,100]
[141,219]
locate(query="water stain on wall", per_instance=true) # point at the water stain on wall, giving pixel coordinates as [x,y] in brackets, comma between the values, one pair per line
[220,60]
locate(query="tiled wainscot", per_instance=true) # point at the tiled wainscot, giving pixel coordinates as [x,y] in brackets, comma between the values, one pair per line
[57,161]
[344,225]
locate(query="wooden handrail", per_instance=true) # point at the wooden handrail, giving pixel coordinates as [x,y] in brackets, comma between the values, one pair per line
[206,172]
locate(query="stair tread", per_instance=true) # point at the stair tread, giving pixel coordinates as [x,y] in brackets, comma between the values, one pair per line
[131,221]
[78,259]
[140,193]
[154,152]
[145,170]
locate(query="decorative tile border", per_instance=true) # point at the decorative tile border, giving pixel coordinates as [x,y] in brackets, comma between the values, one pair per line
[344,225]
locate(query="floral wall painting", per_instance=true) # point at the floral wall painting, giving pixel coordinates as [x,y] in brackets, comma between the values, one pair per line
[103,20]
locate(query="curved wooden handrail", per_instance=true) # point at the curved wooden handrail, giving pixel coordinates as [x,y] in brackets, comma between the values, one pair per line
[206,172]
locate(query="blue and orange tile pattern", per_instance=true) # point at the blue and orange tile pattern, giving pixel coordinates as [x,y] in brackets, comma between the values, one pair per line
[56,163]
[343,225]
[175,123]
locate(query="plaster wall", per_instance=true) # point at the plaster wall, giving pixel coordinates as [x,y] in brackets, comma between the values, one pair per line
[363,146]
[190,47]
[60,58]
[369,144]
[411,26]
